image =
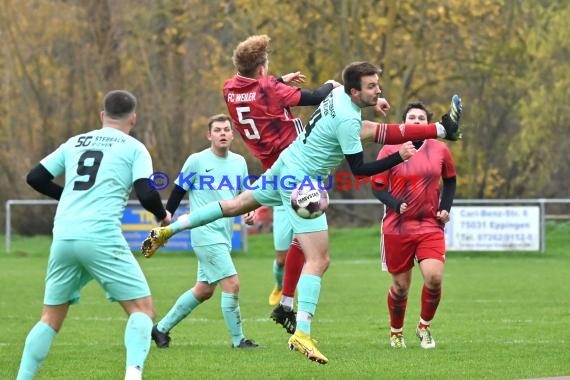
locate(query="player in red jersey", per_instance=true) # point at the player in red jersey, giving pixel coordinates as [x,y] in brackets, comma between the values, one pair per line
[260,106]
[412,227]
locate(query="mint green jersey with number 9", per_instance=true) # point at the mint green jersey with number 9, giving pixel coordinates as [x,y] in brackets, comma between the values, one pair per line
[100,167]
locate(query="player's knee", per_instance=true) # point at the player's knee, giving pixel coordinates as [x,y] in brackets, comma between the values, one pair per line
[401,291]
[145,309]
[324,262]
[206,295]
[53,318]
[433,280]
[203,293]
[401,288]
[231,285]
[234,289]
[53,323]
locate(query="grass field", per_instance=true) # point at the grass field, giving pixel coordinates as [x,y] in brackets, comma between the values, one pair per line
[502,316]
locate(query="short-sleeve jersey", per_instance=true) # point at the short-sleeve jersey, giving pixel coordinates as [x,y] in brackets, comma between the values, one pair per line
[261,112]
[211,178]
[332,132]
[417,181]
[100,167]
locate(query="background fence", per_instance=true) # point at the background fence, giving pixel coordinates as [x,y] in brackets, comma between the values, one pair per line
[342,213]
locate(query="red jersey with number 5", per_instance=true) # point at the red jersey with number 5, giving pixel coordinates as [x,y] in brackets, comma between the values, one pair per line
[261,112]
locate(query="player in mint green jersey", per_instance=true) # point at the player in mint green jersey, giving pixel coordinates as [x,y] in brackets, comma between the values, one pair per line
[212,175]
[100,167]
[333,133]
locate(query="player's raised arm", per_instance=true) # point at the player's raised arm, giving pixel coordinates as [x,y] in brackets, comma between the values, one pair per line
[295,77]
[315,97]
[361,168]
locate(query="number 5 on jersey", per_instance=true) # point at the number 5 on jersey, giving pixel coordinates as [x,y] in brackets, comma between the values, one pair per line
[251,133]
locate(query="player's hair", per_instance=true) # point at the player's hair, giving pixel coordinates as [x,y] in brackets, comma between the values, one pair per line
[353,73]
[419,105]
[119,104]
[250,54]
[219,117]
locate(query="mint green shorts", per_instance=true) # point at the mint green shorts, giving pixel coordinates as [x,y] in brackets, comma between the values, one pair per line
[74,263]
[274,188]
[282,229]
[214,263]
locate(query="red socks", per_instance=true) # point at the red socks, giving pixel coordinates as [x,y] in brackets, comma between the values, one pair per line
[430,301]
[294,262]
[397,307]
[400,133]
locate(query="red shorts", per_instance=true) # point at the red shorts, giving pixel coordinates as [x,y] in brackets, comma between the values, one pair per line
[399,251]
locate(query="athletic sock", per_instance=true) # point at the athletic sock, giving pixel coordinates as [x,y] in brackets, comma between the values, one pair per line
[294,262]
[137,339]
[394,331]
[181,309]
[232,316]
[441,132]
[397,308]
[203,215]
[397,134]
[430,302]
[36,348]
[133,373]
[278,272]
[309,291]
[422,324]
[287,302]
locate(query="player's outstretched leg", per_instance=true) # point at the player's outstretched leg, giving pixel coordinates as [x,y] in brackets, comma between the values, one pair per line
[203,215]
[307,346]
[450,121]
[156,238]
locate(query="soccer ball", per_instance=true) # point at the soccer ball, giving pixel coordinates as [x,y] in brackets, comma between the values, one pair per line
[309,201]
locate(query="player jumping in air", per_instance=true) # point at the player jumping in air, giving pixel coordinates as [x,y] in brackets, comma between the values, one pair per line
[334,132]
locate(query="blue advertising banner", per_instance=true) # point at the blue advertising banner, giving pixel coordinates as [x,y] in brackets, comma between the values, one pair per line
[137,222]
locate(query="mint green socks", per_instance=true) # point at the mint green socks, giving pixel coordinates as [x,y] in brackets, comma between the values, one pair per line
[137,339]
[232,316]
[309,289]
[36,349]
[278,272]
[181,309]
[203,215]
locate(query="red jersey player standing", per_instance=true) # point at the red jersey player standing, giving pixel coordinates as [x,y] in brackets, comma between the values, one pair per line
[412,227]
